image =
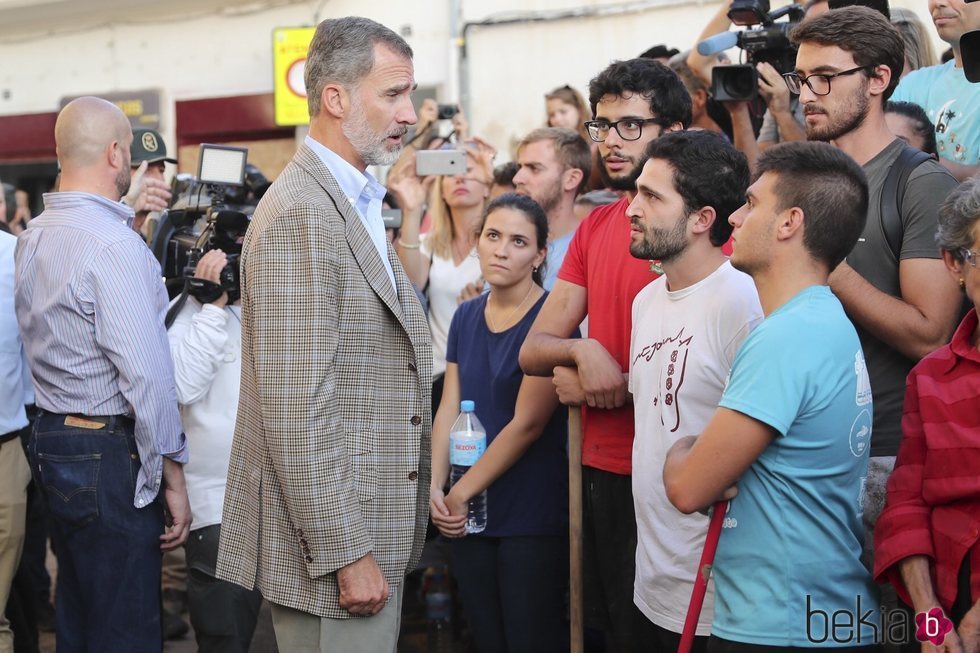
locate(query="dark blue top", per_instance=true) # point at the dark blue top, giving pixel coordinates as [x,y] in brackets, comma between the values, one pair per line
[530,498]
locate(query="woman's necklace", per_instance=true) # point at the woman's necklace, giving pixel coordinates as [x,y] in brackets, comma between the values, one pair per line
[493,326]
[460,252]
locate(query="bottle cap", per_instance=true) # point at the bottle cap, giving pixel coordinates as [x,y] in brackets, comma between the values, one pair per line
[467,406]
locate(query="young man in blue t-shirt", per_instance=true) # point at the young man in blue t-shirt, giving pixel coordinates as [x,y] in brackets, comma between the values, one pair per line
[949,98]
[789,442]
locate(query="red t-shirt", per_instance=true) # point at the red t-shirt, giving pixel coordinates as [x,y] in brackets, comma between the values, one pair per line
[599,260]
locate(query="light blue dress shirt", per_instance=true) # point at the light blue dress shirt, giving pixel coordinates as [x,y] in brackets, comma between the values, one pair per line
[365,194]
[13,394]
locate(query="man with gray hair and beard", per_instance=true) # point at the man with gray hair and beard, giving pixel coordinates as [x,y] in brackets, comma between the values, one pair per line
[326,505]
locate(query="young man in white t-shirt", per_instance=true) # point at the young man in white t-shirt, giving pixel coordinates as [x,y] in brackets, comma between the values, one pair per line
[687,326]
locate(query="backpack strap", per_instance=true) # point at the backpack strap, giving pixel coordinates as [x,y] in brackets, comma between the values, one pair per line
[890,204]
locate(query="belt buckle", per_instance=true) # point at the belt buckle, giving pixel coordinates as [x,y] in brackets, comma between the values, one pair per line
[90,423]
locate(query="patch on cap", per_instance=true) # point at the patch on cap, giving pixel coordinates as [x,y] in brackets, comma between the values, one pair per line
[150,143]
[148,146]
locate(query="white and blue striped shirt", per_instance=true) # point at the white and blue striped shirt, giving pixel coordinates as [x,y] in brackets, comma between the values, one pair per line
[90,305]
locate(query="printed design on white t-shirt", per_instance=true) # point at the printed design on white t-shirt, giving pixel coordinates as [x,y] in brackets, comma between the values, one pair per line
[671,376]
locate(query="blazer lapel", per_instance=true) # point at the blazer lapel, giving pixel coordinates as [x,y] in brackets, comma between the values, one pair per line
[360,242]
[370,261]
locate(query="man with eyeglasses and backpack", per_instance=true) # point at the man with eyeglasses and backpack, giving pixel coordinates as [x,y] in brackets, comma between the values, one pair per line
[893,285]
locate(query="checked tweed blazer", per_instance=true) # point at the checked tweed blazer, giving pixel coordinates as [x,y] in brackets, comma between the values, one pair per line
[331,455]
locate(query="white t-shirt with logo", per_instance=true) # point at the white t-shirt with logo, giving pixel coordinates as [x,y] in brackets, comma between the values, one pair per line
[682,347]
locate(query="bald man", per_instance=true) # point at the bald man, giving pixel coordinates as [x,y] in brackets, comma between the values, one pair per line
[107,445]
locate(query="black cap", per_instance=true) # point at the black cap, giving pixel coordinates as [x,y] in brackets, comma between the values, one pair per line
[659,52]
[148,146]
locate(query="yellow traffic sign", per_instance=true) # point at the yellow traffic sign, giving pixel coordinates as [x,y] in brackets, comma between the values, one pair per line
[289,48]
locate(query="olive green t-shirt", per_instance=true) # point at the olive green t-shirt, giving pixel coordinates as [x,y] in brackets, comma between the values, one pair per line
[874,260]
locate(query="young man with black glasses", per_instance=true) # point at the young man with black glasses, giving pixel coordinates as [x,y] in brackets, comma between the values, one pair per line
[894,289]
[633,102]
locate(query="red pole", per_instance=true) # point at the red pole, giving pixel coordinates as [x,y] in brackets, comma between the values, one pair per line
[704,572]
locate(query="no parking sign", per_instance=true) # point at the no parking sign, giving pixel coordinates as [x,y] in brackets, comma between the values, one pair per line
[289,48]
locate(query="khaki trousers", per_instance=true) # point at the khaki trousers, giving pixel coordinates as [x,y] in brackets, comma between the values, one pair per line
[302,632]
[15,474]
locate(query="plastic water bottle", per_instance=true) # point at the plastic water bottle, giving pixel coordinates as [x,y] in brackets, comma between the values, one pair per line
[467,442]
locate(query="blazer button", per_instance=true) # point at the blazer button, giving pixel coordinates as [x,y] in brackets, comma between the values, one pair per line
[416,420]
[413,476]
[411,366]
[303,541]
[309,558]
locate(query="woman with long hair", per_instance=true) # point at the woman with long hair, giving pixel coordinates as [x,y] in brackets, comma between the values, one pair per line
[919,52]
[442,262]
[512,576]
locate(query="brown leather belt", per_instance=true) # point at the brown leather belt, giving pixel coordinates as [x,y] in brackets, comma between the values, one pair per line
[90,422]
[97,422]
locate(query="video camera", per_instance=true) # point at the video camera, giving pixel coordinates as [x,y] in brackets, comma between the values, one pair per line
[769,43]
[212,211]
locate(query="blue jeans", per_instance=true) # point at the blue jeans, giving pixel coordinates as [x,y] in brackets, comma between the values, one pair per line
[108,595]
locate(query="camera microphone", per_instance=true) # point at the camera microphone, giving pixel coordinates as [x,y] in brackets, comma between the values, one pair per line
[717,43]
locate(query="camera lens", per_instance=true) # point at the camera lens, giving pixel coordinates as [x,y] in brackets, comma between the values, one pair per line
[739,84]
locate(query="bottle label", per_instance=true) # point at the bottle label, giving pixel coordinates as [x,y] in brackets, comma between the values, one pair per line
[465,451]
